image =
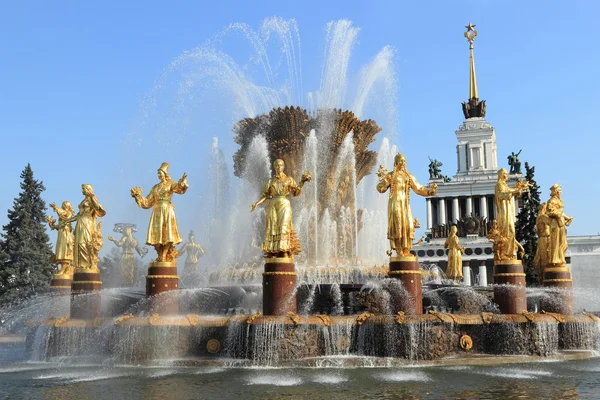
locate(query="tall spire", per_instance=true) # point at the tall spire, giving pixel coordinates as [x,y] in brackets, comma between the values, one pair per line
[474,108]
[470,35]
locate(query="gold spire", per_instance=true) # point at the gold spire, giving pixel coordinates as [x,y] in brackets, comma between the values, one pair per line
[470,35]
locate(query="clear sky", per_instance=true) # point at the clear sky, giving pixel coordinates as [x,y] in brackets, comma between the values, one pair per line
[79,80]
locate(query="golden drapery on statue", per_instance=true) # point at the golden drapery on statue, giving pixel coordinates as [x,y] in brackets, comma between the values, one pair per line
[401,230]
[280,238]
[88,237]
[194,252]
[455,251]
[162,229]
[506,244]
[558,223]
[63,254]
[127,268]
[542,228]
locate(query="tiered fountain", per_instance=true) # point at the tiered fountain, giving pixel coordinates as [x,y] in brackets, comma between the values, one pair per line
[318,299]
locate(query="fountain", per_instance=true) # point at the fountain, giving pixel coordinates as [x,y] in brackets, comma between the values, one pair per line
[337,296]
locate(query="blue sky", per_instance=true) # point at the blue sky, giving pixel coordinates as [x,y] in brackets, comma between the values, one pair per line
[74,75]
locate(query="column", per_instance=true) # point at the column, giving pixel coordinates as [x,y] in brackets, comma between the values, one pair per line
[429,215]
[442,211]
[466,273]
[482,274]
[455,209]
[469,206]
[483,207]
[515,204]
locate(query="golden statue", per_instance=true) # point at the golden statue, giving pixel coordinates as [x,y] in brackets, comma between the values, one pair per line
[64,242]
[542,228]
[505,219]
[455,251]
[127,244]
[401,231]
[280,238]
[194,252]
[558,223]
[88,237]
[500,241]
[162,230]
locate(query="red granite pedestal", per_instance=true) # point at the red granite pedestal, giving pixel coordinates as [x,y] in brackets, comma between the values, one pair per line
[61,282]
[408,271]
[162,277]
[279,285]
[557,277]
[509,286]
[86,300]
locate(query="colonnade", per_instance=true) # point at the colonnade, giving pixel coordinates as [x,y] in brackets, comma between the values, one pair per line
[482,205]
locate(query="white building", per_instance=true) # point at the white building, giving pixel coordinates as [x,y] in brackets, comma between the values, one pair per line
[467,200]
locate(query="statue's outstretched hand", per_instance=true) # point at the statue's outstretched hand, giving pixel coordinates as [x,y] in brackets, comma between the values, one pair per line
[381,172]
[434,188]
[136,192]
[252,207]
[306,177]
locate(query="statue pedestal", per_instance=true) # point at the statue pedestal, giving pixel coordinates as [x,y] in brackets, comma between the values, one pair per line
[408,271]
[61,283]
[86,299]
[559,300]
[510,288]
[279,285]
[162,277]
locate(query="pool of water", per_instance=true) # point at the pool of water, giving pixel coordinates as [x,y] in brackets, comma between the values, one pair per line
[82,379]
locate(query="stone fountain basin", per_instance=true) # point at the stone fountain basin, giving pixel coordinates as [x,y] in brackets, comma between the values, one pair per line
[271,340]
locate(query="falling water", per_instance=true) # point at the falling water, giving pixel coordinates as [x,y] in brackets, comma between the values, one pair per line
[310,162]
[336,297]
[244,226]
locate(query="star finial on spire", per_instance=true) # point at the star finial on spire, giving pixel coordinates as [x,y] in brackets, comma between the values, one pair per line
[470,34]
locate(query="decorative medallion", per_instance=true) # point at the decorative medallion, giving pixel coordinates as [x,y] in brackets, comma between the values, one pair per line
[213,346]
[466,342]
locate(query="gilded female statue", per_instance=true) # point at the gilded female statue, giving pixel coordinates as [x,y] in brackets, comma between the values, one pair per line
[505,218]
[542,228]
[401,231]
[127,244]
[194,252]
[558,223]
[280,239]
[64,242]
[455,251]
[88,237]
[162,229]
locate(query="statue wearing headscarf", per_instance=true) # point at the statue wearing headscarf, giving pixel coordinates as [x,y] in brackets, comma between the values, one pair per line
[162,229]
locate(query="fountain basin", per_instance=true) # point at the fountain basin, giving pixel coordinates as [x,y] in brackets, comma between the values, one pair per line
[277,340]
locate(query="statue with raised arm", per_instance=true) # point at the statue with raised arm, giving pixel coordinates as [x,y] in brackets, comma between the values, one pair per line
[400,182]
[128,244]
[88,237]
[505,219]
[434,169]
[514,163]
[558,223]
[280,239]
[63,254]
[455,251]
[163,233]
[194,252]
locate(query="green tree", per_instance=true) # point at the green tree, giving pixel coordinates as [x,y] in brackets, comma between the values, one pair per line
[525,225]
[25,252]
